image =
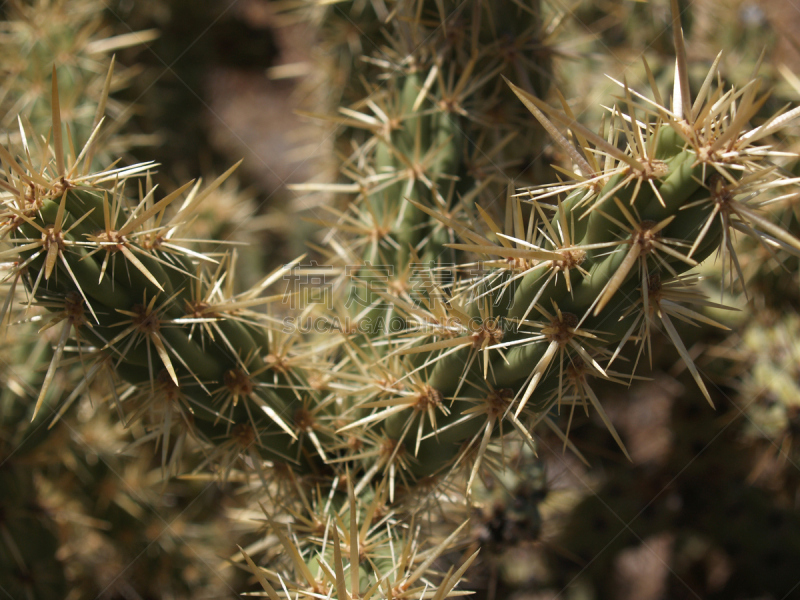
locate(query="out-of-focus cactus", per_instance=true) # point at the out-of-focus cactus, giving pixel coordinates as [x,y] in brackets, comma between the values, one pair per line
[456,52]
[768,398]
[693,518]
[28,567]
[35,35]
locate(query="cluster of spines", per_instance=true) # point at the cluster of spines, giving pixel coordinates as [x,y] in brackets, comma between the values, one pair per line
[582,278]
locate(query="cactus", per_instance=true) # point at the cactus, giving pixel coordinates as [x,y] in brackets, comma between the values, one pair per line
[567,288]
[447,332]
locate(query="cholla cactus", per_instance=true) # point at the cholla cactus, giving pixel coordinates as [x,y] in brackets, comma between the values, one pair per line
[446,331]
[457,53]
[558,293]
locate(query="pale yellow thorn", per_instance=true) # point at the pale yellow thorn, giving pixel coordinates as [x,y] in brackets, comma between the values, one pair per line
[278,420]
[682,93]
[590,157]
[158,206]
[433,555]
[492,225]
[529,102]
[440,345]
[684,353]
[6,157]
[652,80]
[701,95]
[85,150]
[122,41]
[271,593]
[537,106]
[338,565]
[209,190]
[426,86]
[98,118]
[538,372]
[746,110]
[618,277]
[138,264]
[51,371]
[58,142]
[164,355]
[604,417]
[354,538]
[291,549]
[487,434]
[453,580]
[772,229]
[50,260]
[507,252]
